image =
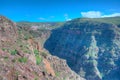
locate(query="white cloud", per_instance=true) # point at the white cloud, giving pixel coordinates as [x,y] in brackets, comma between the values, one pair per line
[41,18]
[97,14]
[112,15]
[67,17]
[91,14]
[46,19]
[52,16]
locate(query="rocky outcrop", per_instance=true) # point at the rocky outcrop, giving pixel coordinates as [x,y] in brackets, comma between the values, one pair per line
[51,68]
[8,31]
[22,56]
[62,69]
[91,48]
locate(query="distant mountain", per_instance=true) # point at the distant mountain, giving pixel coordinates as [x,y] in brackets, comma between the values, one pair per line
[91,47]
[112,20]
[41,25]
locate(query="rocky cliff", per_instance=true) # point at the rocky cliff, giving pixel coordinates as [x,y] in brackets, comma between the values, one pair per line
[22,56]
[8,31]
[91,47]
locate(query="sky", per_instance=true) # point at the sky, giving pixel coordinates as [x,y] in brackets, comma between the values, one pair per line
[58,10]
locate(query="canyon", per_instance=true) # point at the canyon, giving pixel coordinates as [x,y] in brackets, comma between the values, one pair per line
[79,49]
[91,47]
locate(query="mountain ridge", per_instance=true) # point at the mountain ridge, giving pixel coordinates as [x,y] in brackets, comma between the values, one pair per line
[90,47]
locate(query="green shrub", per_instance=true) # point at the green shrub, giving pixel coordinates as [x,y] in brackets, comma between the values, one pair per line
[64,78]
[38,59]
[36,52]
[26,51]
[13,52]
[57,74]
[6,58]
[22,60]
[17,73]
[3,49]
[36,79]
[26,37]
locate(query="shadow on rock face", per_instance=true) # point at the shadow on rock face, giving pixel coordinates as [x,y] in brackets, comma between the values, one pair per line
[86,47]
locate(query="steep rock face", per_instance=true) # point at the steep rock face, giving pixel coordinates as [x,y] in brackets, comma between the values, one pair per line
[62,69]
[22,58]
[8,30]
[92,49]
[53,69]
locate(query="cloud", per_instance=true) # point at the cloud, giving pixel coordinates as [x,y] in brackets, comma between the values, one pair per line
[52,17]
[97,14]
[91,14]
[112,15]
[41,18]
[46,19]
[67,17]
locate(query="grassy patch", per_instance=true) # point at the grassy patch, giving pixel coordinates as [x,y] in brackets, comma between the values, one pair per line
[36,79]
[57,74]
[26,37]
[6,58]
[23,60]
[3,49]
[38,59]
[36,52]
[25,48]
[13,52]
[64,78]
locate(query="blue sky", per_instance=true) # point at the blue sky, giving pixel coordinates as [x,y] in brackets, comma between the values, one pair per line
[58,10]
